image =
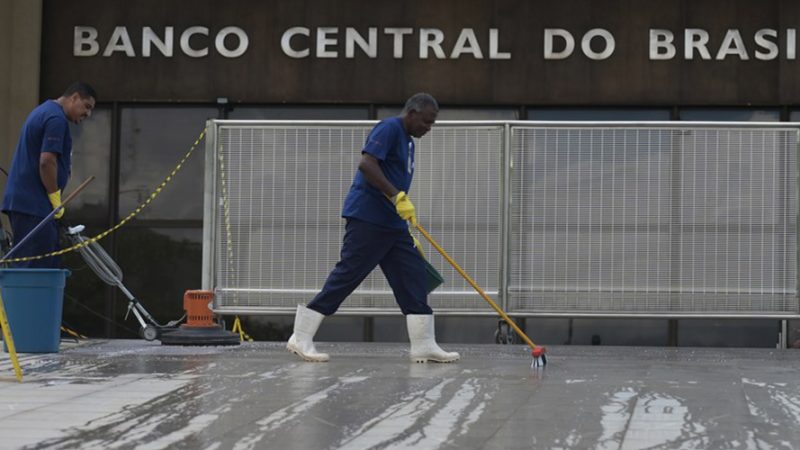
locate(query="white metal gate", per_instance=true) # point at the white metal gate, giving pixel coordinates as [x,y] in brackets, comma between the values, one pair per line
[677,219]
[273,225]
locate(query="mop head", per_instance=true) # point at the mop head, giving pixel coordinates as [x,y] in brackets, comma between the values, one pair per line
[539,358]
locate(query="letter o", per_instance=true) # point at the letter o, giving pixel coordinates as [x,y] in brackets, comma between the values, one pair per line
[219,42]
[603,34]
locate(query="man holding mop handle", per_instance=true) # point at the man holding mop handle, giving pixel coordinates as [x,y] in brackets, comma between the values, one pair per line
[40,171]
[376,233]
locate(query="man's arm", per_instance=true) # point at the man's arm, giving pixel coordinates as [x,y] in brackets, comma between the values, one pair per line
[48,171]
[372,172]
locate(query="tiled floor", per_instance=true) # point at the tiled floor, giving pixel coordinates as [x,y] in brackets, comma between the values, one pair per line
[134,394]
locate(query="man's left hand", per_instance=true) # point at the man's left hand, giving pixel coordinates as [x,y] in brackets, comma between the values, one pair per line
[55,200]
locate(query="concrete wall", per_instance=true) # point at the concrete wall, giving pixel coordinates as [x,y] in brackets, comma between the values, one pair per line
[20,50]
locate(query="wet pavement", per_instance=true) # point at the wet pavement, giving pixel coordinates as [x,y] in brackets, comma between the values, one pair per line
[124,394]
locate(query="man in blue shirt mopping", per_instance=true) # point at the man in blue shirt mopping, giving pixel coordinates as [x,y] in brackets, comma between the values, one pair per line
[376,210]
[40,170]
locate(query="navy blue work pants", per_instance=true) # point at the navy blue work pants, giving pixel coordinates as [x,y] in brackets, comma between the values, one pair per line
[366,246]
[44,241]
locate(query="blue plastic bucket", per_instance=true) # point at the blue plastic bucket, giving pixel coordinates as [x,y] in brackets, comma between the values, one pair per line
[34,299]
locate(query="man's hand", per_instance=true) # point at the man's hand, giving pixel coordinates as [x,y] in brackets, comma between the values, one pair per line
[55,200]
[405,209]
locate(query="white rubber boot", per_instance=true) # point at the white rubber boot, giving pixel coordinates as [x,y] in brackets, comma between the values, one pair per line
[306,323]
[423,340]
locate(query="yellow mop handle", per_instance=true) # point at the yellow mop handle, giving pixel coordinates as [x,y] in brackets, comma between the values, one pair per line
[9,341]
[477,288]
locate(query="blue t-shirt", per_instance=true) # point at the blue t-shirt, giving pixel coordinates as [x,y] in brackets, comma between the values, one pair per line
[389,143]
[45,130]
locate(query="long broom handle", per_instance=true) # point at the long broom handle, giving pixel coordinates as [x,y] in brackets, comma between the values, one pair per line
[46,219]
[77,190]
[476,287]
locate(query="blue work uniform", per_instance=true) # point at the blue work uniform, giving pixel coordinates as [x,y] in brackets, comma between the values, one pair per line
[375,235]
[25,201]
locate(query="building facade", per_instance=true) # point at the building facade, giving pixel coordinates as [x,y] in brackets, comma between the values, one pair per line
[163,68]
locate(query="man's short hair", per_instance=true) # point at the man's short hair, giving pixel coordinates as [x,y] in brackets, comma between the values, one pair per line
[83,89]
[418,102]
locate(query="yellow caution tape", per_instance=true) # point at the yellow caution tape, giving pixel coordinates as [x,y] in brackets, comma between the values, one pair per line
[130,216]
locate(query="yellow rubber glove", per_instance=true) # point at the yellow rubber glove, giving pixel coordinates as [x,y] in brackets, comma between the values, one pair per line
[405,209]
[418,246]
[55,200]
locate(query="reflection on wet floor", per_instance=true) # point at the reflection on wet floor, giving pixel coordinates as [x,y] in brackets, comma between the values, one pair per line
[134,394]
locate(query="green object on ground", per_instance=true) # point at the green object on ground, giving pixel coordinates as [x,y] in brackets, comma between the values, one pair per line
[434,278]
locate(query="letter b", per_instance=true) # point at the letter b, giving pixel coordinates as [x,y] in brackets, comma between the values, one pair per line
[661,40]
[83,37]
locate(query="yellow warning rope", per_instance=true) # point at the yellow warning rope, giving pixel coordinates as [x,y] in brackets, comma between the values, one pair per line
[227,216]
[237,324]
[130,216]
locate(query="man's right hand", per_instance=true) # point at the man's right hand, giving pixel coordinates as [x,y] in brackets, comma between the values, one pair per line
[55,200]
[405,209]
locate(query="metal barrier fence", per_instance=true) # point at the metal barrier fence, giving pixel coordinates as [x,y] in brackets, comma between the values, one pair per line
[642,219]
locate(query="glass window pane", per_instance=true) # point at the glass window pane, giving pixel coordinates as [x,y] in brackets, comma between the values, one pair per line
[299,113]
[795,116]
[86,296]
[458,113]
[91,153]
[590,114]
[388,111]
[153,141]
[730,114]
[159,265]
[478,114]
